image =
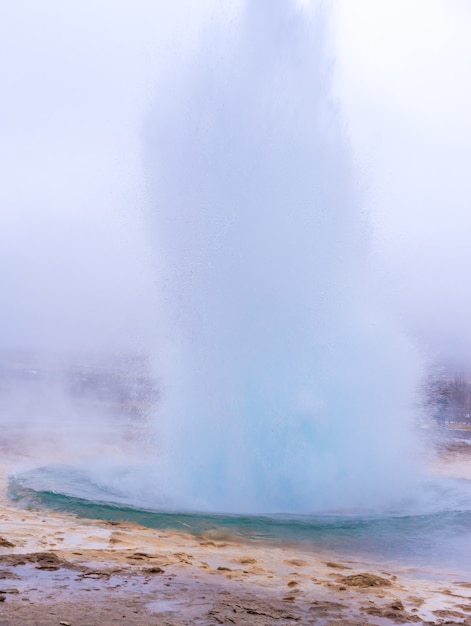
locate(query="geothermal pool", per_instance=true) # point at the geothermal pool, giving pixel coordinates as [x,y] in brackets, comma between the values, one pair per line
[432,533]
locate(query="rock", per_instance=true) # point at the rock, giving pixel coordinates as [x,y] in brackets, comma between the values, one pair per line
[345,622]
[4,573]
[365,580]
[4,543]
[396,606]
[394,612]
[448,613]
[336,565]
[48,561]
[246,560]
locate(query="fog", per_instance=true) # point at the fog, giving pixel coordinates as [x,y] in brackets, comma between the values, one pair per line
[404,80]
[75,269]
[77,82]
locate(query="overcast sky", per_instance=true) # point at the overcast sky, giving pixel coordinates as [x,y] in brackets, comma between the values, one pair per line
[404,75]
[77,82]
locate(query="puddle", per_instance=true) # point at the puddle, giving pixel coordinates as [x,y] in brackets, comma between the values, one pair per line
[164,606]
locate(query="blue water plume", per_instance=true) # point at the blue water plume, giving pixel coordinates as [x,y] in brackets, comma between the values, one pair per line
[285,385]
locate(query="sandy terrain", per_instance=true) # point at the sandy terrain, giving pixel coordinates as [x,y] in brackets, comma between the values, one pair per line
[59,569]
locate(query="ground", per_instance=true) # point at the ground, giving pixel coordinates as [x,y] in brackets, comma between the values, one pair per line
[58,569]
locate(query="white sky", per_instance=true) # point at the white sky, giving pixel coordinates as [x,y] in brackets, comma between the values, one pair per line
[77,79]
[405,79]
[75,271]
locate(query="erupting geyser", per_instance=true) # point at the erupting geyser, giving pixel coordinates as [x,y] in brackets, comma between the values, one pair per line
[267,373]
[286,387]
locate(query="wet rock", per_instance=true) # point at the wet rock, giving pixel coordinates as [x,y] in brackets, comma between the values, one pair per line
[246,560]
[396,606]
[94,575]
[42,560]
[47,561]
[323,608]
[4,543]
[365,580]
[334,565]
[345,622]
[295,562]
[394,612]
[4,574]
[446,613]
[134,557]
[13,559]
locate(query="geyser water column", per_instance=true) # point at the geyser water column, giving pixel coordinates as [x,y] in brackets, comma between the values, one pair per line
[285,388]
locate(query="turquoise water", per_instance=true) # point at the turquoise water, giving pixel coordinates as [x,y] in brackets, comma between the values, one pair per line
[436,537]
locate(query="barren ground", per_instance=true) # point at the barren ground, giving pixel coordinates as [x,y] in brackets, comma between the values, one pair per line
[58,569]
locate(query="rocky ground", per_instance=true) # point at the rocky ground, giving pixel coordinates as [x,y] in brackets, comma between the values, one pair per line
[58,569]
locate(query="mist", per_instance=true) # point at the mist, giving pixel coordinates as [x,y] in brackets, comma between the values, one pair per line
[76,273]
[78,82]
[406,92]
